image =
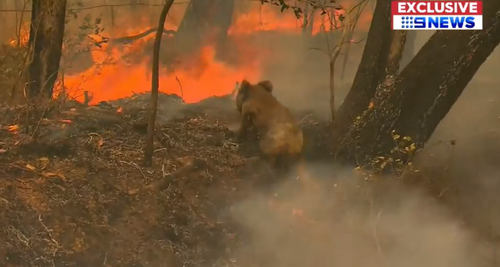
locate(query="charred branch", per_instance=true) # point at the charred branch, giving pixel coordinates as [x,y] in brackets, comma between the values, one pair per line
[155,84]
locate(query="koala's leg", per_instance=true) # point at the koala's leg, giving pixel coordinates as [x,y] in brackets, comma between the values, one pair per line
[245,124]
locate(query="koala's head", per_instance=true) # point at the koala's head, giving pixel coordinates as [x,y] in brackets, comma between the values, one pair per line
[246,89]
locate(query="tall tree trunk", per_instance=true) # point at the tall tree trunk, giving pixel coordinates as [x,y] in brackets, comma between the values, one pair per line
[148,150]
[413,103]
[201,18]
[193,26]
[219,23]
[220,19]
[46,37]
[371,70]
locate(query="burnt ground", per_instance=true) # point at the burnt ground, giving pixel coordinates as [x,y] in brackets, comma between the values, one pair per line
[79,196]
[66,197]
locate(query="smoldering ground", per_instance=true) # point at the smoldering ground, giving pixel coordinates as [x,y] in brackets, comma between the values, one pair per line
[443,221]
[447,217]
[353,222]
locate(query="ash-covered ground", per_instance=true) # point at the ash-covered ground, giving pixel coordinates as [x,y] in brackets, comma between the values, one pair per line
[66,196]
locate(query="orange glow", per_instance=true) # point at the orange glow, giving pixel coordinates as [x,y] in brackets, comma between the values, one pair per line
[24,36]
[268,18]
[196,76]
[117,81]
[13,128]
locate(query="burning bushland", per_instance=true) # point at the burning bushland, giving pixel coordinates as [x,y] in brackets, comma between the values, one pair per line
[78,194]
[75,192]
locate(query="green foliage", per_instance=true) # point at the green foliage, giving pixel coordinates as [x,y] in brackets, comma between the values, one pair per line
[79,42]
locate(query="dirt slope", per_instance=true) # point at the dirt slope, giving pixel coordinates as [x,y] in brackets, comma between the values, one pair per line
[65,199]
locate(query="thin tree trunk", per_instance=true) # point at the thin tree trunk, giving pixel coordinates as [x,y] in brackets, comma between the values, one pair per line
[409,51]
[414,103]
[310,25]
[46,37]
[331,86]
[18,38]
[305,21]
[148,150]
[395,54]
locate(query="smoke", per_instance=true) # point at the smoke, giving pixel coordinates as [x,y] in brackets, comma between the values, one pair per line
[449,217]
[413,228]
[352,222]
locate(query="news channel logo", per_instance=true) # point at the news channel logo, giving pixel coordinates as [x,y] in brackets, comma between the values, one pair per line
[424,22]
[407,22]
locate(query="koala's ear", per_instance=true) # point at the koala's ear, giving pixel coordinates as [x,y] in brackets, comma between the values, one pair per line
[267,85]
[244,87]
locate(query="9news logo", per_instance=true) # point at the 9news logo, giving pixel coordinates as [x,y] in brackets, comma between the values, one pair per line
[407,22]
[437,15]
[438,22]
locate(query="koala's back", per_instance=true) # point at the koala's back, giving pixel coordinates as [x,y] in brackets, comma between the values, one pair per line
[280,134]
[279,131]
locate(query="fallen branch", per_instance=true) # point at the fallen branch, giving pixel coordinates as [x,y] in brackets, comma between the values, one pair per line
[191,165]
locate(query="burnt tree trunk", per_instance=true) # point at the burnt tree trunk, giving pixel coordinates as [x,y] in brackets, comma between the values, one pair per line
[155,83]
[193,26]
[46,37]
[414,102]
[204,19]
[371,70]
[220,19]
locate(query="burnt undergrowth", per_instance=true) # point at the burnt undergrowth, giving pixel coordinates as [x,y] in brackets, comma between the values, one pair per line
[66,191]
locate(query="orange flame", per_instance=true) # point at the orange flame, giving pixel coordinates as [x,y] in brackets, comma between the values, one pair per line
[13,128]
[24,36]
[201,75]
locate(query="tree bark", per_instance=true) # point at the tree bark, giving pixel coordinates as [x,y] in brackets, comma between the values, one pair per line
[46,37]
[148,150]
[413,103]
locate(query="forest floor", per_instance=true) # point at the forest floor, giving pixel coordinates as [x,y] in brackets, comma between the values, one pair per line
[74,192]
[67,193]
